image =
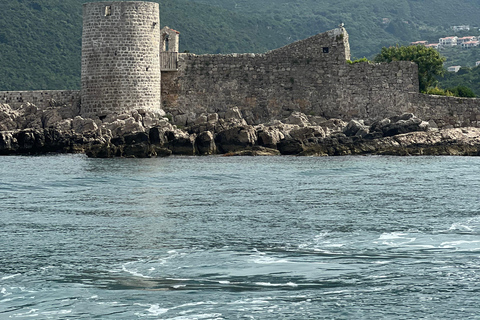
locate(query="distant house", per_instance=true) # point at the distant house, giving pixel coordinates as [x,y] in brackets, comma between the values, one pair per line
[470,44]
[453,68]
[460,28]
[419,43]
[432,45]
[448,41]
[477,63]
[466,39]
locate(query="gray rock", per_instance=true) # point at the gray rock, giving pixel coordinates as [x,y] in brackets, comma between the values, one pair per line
[7,143]
[290,146]
[353,127]
[236,138]
[404,126]
[50,118]
[307,132]
[205,143]
[378,125]
[180,142]
[298,118]
[269,137]
[81,125]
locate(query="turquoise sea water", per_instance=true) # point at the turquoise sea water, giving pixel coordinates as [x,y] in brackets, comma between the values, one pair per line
[240,238]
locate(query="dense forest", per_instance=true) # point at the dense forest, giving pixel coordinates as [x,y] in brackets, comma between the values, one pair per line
[40,40]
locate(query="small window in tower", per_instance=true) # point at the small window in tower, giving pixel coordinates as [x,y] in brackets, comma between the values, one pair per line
[167,47]
[108,11]
[325,49]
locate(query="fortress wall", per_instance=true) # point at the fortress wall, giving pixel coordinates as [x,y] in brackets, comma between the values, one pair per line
[298,77]
[44,98]
[446,111]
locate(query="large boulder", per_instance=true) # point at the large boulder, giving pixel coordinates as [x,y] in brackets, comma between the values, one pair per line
[235,139]
[157,136]
[205,143]
[180,142]
[290,146]
[82,126]
[298,118]
[8,143]
[304,133]
[269,137]
[404,126]
[50,118]
[355,128]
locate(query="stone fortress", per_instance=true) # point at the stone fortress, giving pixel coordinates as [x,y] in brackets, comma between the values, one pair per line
[129,63]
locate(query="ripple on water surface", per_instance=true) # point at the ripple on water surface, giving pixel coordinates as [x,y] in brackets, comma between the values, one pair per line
[250,237]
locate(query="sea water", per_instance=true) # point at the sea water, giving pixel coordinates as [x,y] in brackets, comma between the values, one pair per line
[240,238]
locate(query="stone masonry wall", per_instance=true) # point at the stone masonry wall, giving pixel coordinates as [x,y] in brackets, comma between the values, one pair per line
[447,112]
[311,76]
[120,57]
[45,98]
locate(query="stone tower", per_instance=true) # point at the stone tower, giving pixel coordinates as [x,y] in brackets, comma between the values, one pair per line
[120,57]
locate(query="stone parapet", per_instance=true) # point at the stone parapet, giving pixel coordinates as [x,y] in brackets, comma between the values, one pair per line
[41,98]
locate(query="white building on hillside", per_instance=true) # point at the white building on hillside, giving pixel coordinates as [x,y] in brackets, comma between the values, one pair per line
[477,63]
[460,28]
[466,39]
[448,41]
[432,45]
[453,68]
[470,44]
[417,43]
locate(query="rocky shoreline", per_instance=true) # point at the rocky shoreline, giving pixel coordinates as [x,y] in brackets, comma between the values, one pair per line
[31,130]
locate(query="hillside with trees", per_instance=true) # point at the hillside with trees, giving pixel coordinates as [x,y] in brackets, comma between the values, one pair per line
[40,40]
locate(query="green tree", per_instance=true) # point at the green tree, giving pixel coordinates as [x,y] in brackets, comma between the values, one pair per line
[429,61]
[462,91]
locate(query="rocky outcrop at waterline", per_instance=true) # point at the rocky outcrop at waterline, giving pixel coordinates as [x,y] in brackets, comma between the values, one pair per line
[32,130]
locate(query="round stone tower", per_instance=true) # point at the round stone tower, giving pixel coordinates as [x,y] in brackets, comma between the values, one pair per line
[120,57]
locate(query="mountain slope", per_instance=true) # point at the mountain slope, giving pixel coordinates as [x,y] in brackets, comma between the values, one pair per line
[40,40]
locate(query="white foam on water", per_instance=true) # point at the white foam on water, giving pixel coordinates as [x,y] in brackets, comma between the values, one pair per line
[462,245]
[194,304]
[268,260]
[392,235]
[155,310]
[323,251]
[395,239]
[269,284]
[10,276]
[134,272]
[212,316]
[178,286]
[179,279]
[30,314]
[265,300]
[460,227]
[59,312]
[224,282]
